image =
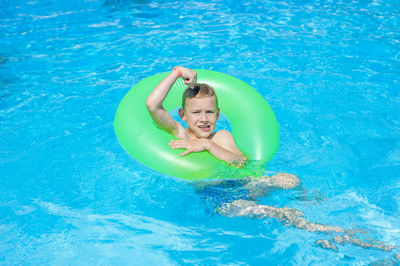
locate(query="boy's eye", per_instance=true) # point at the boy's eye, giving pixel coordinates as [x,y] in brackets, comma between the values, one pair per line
[210,112]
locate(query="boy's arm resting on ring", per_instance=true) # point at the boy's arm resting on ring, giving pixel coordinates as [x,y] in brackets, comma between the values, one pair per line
[222,146]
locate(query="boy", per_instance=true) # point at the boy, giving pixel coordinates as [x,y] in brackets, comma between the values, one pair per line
[200,111]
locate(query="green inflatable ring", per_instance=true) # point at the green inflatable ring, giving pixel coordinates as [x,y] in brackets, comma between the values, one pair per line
[254,128]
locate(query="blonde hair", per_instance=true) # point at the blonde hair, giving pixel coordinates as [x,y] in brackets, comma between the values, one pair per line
[199,90]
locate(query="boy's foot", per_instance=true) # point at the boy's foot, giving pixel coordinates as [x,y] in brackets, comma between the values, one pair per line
[258,186]
[324,243]
[341,240]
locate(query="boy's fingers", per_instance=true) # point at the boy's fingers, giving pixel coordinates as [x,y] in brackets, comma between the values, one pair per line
[179,142]
[175,142]
[174,146]
[189,82]
[184,153]
[178,146]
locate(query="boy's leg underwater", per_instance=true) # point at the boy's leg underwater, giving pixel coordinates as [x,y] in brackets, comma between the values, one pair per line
[258,187]
[294,217]
[289,216]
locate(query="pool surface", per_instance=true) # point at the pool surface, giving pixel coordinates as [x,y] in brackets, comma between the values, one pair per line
[69,193]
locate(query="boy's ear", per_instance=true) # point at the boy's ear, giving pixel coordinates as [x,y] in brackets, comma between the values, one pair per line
[218,112]
[182,114]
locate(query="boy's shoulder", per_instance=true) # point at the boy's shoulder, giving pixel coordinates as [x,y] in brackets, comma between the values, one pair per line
[225,139]
[222,136]
[222,132]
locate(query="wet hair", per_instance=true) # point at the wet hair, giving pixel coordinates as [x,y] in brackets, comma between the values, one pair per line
[199,90]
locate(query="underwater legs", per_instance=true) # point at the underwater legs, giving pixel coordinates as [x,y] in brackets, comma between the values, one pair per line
[289,216]
[293,217]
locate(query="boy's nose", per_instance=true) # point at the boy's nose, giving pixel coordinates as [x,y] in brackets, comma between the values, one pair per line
[203,117]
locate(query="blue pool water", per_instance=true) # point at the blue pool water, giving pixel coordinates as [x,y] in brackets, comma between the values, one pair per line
[69,194]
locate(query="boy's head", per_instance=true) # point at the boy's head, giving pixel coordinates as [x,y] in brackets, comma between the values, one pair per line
[199,90]
[200,110]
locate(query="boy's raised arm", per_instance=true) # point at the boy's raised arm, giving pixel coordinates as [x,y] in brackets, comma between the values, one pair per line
[156,98]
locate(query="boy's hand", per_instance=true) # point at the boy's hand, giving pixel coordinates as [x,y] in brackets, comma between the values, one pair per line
[189,76]
[191,145]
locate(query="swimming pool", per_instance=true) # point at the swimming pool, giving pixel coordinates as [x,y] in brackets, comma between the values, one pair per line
[70,194]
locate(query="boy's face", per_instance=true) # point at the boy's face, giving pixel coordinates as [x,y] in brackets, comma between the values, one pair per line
[201,115]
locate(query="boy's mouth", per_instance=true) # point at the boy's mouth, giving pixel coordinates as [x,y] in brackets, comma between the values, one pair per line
[205,128]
